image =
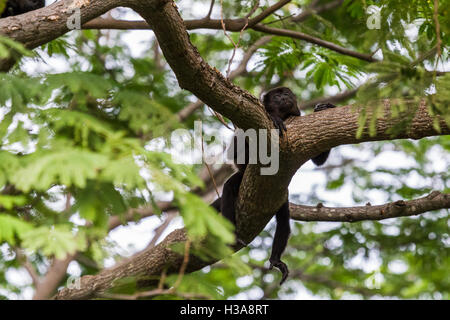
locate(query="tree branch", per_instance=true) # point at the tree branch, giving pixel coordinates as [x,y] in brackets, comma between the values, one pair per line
[52,280]
[313,40]
[267,12]
[234,25]
[41,26]
[23,259]
[400,208]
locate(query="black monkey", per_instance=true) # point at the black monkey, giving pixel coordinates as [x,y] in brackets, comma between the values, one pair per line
[280,103]
[15,7]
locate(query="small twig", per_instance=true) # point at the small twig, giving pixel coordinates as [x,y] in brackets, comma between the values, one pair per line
[209,169]
[241,69]
[424,56]
[187,246]
[314,9]
[68,199]
[268,12]
[236,46]
[220,118]
[160,229]
[162,279]
[253,10]
[438,27]
[279,20]
[157,55]
[211,7]
[152,293]
[23,260]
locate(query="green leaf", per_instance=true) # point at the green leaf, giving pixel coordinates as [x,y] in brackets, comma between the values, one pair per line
[57,241]
[63,166]
[12,227]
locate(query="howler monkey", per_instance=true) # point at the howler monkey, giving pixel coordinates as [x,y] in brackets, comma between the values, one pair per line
[280,103]
[15,7]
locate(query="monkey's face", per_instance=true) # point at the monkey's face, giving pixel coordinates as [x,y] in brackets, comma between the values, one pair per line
[281,101]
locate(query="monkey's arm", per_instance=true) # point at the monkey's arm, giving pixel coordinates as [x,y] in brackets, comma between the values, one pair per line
[278,123]
[216,204]
[321,158]
[280,240]
[278,117]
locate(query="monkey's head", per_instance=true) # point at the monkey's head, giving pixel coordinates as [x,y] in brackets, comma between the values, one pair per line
[281,101]
[16,7]
[29,5]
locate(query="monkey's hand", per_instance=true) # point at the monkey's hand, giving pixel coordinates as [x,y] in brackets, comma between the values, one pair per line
[321,158]
[323,106]
[279,124]
[282,267]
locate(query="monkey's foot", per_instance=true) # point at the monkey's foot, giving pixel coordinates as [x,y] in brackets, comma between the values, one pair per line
[282,267]
[323,106]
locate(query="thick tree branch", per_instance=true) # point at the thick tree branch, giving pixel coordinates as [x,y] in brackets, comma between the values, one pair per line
[52,280]
[41,26]
[433,201]
[23,259]
[341,124]
[138,214]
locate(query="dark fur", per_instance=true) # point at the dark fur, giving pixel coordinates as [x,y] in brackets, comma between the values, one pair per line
[15,7]
[321,158]
[280,104]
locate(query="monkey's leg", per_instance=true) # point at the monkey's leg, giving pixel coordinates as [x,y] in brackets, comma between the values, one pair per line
[216,204]
[280,240]
[321,158]
[229,196]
